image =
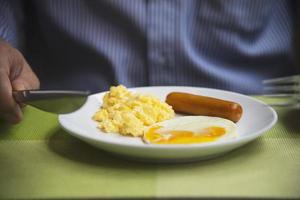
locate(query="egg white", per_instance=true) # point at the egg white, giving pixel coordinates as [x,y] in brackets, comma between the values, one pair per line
[196,124]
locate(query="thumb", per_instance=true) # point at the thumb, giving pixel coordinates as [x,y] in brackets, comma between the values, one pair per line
[26,80]
[18,85]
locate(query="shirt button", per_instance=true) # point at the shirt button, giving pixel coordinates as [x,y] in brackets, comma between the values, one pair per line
[158,57]
[162,58]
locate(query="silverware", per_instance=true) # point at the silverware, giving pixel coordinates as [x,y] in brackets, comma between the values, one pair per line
[54,101]
[285,90]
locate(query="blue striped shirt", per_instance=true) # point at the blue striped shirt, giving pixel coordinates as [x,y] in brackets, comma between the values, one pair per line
[73,44]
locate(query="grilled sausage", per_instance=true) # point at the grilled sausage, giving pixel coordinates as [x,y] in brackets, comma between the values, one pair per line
[203,105]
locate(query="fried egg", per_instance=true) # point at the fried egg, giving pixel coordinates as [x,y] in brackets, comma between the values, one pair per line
[190,130]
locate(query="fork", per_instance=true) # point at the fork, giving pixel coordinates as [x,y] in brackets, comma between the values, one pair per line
[284,88]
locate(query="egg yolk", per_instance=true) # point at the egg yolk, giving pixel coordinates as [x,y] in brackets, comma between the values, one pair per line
[182,136]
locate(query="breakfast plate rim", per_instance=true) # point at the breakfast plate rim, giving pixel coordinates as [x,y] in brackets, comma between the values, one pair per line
[240,139]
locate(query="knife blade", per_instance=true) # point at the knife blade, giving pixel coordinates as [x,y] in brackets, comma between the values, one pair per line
[54,101]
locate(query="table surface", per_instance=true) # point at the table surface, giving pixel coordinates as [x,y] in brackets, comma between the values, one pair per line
[40,160]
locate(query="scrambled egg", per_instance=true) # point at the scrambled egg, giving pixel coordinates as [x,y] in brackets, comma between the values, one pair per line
[129,113]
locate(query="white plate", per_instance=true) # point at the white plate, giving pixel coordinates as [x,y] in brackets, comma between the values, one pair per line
[257,118]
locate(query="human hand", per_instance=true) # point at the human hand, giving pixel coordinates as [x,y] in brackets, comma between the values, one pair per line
[15,74]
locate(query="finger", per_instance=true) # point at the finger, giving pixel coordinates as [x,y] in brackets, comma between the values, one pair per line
[25,79]
[22,105]
[21,75]
[9,109]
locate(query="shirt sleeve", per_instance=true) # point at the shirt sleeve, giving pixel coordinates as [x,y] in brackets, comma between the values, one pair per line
[11,22]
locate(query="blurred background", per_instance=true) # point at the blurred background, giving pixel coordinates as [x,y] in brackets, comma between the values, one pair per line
[77,44]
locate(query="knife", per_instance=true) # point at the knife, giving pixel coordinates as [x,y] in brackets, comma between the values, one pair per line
[54,101]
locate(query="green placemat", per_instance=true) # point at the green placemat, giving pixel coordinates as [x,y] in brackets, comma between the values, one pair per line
[40,160]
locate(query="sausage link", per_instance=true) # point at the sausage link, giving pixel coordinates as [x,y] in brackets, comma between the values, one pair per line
[203,105]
